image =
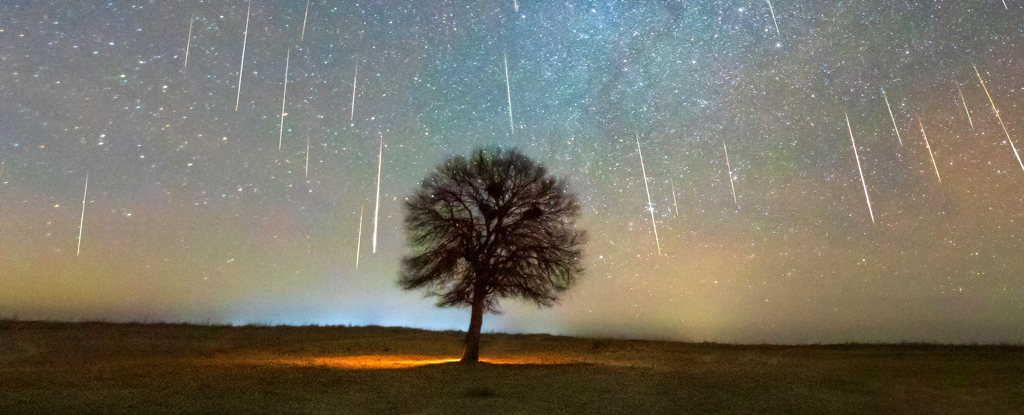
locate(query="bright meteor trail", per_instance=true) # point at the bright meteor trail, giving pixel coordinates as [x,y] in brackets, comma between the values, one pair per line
[859,170]
[81,222]
[675,205]
[773,17]
[188,42]
[965,106]
[1015,153]
[304,18]
[241,65]
[650,205]
[892,118]
[359,235]
[929,146]
[729,166]
[284,96]
[508,90]
[355,78]
[376,209]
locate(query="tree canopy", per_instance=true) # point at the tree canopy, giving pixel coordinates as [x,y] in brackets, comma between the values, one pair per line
[493,225]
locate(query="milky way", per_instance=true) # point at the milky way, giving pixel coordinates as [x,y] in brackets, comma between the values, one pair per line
[193,213]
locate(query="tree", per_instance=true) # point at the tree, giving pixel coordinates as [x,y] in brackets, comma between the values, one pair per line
[494,225]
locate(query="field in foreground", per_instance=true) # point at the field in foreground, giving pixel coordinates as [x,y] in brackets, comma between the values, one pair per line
[164,368]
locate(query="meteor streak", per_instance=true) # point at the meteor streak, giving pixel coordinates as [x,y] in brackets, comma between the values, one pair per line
[304,18]
[515,5]
[280,137]
[729,166]
[857,157]
[354,79]
[508,90]
[1015,153]
[81,222]
[376,209]
[307,155]
[188,42]
[925,136]
[650,205]
[773,17]
[245,37]
[675,205]
[892,118]
[965,106]
[359,235]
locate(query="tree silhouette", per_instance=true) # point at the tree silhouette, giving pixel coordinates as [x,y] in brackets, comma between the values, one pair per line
[494,225]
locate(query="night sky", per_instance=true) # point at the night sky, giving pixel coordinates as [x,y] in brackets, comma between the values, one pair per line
[193,214]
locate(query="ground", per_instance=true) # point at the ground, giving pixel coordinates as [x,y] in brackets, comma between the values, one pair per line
[170,368]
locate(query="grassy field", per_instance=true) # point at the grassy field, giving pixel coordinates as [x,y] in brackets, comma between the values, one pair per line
[165,368]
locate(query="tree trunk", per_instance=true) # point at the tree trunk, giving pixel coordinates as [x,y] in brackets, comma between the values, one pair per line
[471,354]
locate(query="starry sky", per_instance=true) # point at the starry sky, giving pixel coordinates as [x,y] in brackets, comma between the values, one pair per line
[193,213]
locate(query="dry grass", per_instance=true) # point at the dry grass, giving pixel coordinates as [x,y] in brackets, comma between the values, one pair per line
[163,368]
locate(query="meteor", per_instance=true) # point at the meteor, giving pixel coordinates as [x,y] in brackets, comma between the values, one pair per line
[280,137]
[925,136]
[508,90]
[675,205]
[359,235]
[307,155]
[304,18]
[729,166]
[857,157]
[965,106]
[650,206]
[376,209]
[892,118]
[81,222]
[773,17]
[188,42]
[1015,153]
[354,79]
[245,37]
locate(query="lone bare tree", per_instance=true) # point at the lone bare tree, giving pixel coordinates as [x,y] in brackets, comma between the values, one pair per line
[494,225]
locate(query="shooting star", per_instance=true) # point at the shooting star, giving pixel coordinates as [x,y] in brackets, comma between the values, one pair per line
[376,209]
[925,136]
[245,38]
[675,205]
[650,205]
[359,235]
[280,136]
[2,170]
[515,5]
[1004,5]
[965,105]
[307,155]
[893,118]
[81,222]
[508,90]
[188,42]
[859,170]
[773,17]
[304,18]
[354,79]
[729,166]
[1015,153]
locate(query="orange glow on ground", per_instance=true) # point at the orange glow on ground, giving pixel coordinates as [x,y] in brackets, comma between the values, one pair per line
[400,361]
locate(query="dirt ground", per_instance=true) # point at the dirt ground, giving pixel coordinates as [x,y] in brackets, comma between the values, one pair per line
[170,368]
